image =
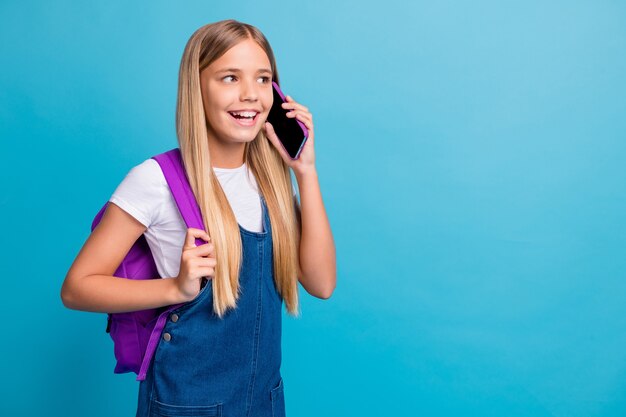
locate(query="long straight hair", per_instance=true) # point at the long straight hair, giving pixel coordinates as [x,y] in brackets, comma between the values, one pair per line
[207,44]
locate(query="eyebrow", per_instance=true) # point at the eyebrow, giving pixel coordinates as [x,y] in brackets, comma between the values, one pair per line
[260,70]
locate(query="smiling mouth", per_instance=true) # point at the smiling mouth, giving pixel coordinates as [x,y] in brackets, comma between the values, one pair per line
[244,118]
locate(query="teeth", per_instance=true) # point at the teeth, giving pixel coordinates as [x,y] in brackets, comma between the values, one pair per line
[249,114]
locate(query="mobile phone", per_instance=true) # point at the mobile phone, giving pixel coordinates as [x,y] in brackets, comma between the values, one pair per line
[291,132]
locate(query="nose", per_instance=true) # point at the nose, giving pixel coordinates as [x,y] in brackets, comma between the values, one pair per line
[249,91]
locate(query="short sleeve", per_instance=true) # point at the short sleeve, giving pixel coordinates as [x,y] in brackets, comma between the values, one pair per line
[141,192]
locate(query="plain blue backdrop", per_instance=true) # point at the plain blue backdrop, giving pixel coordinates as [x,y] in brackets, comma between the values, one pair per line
[472,161]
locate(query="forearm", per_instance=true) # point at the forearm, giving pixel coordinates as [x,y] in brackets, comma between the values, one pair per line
[317,249]
[110,294]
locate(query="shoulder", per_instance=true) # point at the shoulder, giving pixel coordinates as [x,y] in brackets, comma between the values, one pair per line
[149,171]
[142,191]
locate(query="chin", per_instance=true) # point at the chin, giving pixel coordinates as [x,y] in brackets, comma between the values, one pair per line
[242,138]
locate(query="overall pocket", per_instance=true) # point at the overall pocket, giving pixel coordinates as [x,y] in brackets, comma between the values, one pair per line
[159,409]
[278,400]
[207,291]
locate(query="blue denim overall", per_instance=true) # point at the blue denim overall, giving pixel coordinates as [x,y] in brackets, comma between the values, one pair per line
[230,367]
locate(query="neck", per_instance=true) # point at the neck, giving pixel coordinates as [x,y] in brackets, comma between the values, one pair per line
[224,155]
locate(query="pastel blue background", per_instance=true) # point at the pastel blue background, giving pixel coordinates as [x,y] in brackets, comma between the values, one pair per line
[471,156]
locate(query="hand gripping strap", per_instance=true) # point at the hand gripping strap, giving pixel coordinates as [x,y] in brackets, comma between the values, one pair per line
[172,166]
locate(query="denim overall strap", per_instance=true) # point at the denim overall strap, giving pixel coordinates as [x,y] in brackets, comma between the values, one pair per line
[207,366]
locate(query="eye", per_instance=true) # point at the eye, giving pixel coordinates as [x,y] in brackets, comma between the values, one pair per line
[264,80]
[229,78]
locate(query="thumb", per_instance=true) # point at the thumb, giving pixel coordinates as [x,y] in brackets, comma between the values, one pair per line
[271,135]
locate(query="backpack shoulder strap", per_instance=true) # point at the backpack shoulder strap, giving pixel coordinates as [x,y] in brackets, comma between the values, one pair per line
[172,166]
[173,169]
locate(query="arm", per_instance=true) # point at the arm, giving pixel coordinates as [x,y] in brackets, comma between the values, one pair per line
[90,285]
[317,250]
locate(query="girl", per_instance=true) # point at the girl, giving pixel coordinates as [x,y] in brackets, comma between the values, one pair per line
[220,354]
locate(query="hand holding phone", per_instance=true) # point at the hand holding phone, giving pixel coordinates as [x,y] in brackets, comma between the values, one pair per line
[291,132]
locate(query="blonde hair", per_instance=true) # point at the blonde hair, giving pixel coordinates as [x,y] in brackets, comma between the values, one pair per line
[207,44]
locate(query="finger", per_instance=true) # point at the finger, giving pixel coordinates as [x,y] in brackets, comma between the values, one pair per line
[299,111]
[201,272]
[304,119]
[205,250]
[196,263]
[193,236]
[208,272]
[271,135]
[301,114]
[207,262]
[294,105]
[198,233]
[289,98]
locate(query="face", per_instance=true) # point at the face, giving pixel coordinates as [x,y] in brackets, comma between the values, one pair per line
[237,93]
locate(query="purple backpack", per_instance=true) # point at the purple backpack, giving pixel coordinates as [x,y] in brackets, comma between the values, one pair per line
[136,334]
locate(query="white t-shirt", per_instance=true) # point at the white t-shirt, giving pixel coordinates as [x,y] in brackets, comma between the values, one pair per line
[145,195]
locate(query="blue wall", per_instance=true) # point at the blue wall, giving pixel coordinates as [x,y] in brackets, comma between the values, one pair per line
[471,156]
